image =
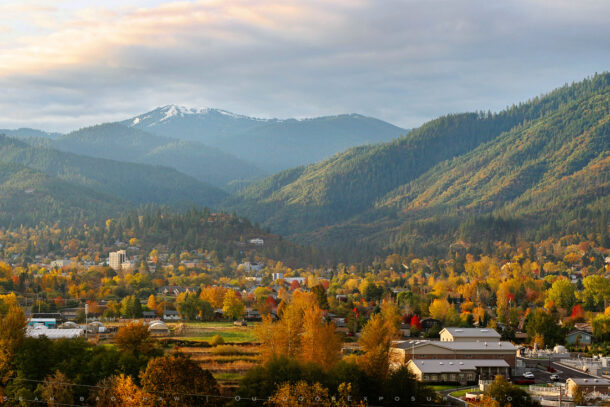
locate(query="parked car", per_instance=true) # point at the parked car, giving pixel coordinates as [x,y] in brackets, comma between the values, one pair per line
[529,375]
[554,377]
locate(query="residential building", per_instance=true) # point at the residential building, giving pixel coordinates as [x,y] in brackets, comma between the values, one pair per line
[61,263]
[171,315]
[428,323]
[461,371]
[468,334]
[116,259]
[587,385]
[577,337]
[257,241]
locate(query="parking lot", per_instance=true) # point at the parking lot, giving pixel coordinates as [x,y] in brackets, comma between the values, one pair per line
[543,376]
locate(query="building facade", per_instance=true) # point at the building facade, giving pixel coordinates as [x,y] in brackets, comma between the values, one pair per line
[116,259]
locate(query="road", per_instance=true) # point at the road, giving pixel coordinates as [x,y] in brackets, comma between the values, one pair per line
[564,373]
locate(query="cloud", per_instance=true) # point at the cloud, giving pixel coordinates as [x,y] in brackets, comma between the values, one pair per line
[68,64]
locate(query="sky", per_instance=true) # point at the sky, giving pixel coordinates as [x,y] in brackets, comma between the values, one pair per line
[66,64]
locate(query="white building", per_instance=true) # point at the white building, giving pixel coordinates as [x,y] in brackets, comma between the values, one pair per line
[61,263]
[116,259]
[257,241]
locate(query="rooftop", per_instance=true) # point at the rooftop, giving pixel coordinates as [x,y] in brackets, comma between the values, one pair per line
[590,381]
[455,365]
[470,345]
[473,332]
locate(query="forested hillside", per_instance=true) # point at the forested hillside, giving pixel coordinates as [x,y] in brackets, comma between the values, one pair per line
[28,197]
[136,183]
[117,142]
[549,155]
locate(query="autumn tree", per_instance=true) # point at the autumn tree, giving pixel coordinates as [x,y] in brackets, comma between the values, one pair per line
[178,381]
[120,391]
[233,307]
[561,294]
[320,343]
[12,333]
[506,394]
[300,394]
[56,390]
[376,341]
[301,334]
[442,310]
[135,338]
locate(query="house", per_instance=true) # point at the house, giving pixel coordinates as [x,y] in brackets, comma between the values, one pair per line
[587,385]
[462,371]
[403,351]
[578,337]
[290,280]
[428,323]
[149,314]
[61,263]
[171,315]
[469,334]
[405,330]
[257,241]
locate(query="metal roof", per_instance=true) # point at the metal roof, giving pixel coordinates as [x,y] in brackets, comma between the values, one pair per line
[473,332]
[470,345]
[37,332]
[455,365]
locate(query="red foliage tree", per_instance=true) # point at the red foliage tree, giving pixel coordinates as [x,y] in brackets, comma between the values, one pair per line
[416,322]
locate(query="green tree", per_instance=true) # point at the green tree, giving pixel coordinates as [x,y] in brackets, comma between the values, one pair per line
[507,394]
[541,325]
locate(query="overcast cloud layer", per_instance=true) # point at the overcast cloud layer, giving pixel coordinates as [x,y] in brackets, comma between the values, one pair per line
[65,65]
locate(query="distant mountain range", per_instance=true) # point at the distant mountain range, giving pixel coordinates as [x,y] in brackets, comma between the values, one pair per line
[28,197]
[134,183]
[117,142]
[534,168]
[270,144]
[29,133]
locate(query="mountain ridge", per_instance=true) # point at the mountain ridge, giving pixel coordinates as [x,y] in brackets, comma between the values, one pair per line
[378,192]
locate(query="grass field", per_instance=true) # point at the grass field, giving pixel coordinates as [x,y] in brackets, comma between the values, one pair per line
[461,393]
[441,387]
[228,336]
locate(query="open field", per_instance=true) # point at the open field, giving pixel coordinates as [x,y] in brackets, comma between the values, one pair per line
[227,362]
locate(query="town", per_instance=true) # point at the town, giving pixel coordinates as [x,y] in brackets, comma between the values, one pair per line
[531,316]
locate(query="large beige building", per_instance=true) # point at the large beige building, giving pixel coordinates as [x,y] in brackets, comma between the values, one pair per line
[116,259]
[463,355]
[468,335]
[403,351]
[457,371]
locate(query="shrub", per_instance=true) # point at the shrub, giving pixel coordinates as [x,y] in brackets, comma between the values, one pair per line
[226,350]
[217,340]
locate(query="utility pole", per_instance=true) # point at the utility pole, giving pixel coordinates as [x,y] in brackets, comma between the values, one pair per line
[86,315]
